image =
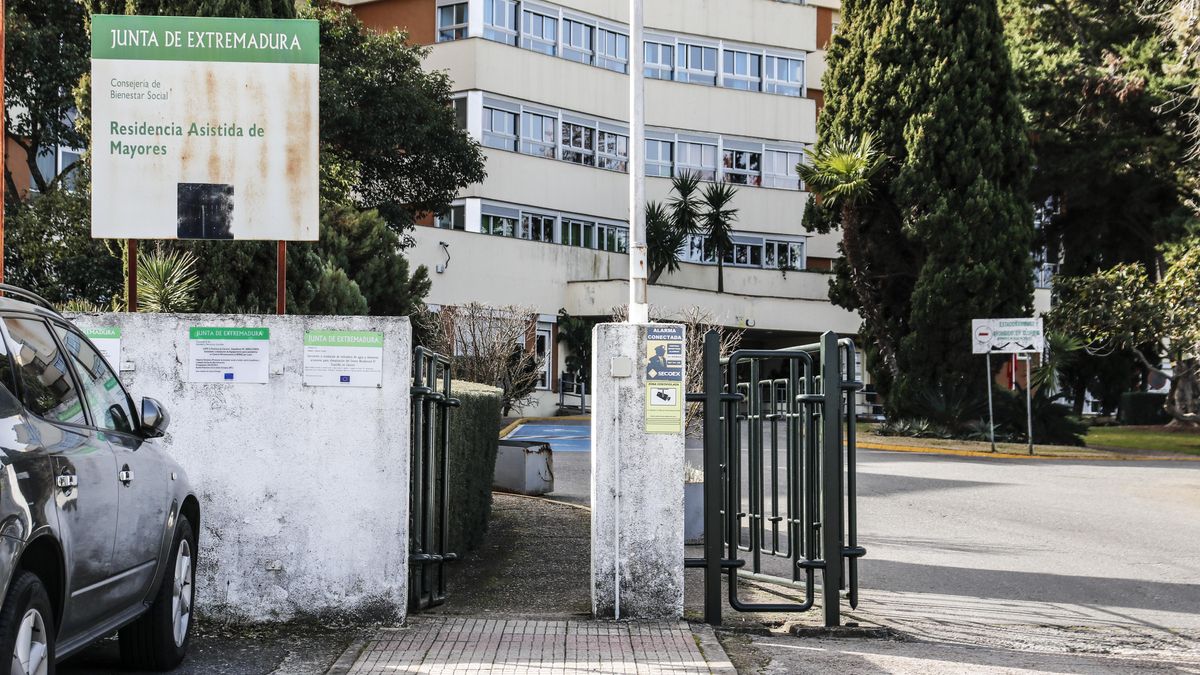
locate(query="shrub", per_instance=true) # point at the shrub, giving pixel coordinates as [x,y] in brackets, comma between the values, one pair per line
[1143,408]
[1053,423]
[474,436]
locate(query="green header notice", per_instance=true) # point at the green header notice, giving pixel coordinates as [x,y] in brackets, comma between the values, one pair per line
[102,332]
[221,333]
[176,38]
[343,338]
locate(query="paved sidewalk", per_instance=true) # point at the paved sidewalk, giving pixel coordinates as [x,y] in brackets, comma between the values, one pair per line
[518,646]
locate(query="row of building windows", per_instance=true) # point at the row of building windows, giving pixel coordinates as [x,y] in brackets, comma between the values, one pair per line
[573,230]
[748,252]
[557,135]
[555,32]
[543,226]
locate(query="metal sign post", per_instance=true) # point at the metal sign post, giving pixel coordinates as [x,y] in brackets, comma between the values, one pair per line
[991,416]
[1018,337]
[1028,359]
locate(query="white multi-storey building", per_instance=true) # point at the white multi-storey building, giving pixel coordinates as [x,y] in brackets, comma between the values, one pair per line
[732,92]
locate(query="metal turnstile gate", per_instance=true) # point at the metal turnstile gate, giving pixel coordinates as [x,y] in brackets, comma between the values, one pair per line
[779,473]
[429,497]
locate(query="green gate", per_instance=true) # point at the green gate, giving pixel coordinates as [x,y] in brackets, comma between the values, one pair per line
[429,497]
[779,472]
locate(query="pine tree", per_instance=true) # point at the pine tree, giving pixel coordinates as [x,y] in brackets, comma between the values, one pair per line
[946,237]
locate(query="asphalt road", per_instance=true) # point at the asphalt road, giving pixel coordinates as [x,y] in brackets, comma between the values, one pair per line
[1028,555]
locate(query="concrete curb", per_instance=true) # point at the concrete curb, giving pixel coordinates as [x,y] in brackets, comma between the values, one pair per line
[346,661]
[714,654]
[522,420]
[870,445]
[541,499]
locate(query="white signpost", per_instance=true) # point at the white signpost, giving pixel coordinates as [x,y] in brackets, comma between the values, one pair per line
[229,355]
[1009,336]
[204,128]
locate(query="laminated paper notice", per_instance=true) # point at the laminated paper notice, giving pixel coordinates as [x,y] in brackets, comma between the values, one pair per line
[108,342]
[230,355]
[664,379]
[343,358]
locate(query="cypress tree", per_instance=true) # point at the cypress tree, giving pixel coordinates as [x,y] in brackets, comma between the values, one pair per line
[946,238]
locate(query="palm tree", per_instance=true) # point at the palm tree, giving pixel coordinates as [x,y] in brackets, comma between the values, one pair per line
[685,205]
[663,240]
[718,224]
[842,172]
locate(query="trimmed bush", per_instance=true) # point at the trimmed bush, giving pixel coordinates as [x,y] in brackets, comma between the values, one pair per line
[1053,423]
[474,436]
[1142,408]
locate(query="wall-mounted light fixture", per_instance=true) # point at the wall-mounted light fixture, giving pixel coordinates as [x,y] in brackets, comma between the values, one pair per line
[446,265]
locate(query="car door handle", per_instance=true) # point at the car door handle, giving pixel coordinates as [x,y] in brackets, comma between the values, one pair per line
[67,481]
[125,475]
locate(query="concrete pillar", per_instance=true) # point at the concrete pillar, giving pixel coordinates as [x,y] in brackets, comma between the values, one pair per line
[637,475]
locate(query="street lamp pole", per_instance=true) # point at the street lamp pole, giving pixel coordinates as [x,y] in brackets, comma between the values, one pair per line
[639,307]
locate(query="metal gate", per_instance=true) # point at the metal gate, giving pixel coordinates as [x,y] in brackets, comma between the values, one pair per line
[429,498]
[779,455]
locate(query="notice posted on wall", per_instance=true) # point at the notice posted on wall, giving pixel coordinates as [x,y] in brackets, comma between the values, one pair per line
[108,341]
[343,358]
[664,379]
[229,355]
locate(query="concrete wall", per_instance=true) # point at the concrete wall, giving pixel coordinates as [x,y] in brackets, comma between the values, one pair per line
[637,488]
[312,480]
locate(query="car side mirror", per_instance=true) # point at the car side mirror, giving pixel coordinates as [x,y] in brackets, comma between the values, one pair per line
[154,418]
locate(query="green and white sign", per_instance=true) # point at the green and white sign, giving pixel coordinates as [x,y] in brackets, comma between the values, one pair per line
[108,340]
[343,358]
[229,355]
[204,128]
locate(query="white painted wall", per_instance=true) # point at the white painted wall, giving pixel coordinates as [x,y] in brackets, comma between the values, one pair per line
[314,478]
[503,271]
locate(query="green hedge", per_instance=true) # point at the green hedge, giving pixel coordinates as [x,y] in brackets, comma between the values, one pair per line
[1142,408]
[474,436]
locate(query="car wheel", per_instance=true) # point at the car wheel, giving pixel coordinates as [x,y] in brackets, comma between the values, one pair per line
[159,639]
[27,627]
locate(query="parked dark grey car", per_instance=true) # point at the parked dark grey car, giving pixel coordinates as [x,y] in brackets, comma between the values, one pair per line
[98,525]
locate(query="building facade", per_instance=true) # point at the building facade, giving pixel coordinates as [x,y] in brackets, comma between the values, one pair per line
[732,93]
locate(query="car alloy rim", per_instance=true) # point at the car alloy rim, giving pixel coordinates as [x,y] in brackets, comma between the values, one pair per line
[29,650]
[181,592]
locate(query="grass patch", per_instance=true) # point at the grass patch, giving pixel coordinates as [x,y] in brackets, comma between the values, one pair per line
[1145,438]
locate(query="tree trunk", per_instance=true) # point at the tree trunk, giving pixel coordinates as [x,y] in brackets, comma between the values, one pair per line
[1183,401]
[871,309]
[720,272]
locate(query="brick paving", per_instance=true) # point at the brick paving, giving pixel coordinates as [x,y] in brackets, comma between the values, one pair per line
[546,647]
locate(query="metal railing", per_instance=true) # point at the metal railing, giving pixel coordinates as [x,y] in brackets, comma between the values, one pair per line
[429,498]
[779,465]
[570,388]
